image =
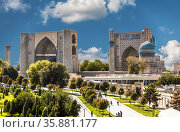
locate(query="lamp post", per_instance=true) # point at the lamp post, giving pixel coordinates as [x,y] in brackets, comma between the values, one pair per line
[109,111]
[84,113]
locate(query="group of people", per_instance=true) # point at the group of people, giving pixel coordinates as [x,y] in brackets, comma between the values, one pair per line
[119,114]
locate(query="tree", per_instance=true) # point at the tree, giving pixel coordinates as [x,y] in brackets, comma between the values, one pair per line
[142,65]
[84,84]
[104,86]
[134,96]
[112,89]
[102,104]
[54,73]
[45,112]
[151,93]
[97,86]
[5,79]
[97,65]
[133,65]
[175,102]
[84,65]
[120,91]
[6,91]
[7,106]
[167,78]
[72,85]
[19,79]
[143,101]
[74,108]
[10,81]
[12,108]
[88,93]
[127,93]
[25,80]
[90,84]
[33,71]
[11,72]
[79,82]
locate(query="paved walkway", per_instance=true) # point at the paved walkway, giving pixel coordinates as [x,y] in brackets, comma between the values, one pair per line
[126,111]
[84,111]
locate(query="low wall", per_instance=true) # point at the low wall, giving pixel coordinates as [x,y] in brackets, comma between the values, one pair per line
[96,73]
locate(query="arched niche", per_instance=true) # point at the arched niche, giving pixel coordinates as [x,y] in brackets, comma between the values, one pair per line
[73,50]
[73,38]
[130,51]
[45,50]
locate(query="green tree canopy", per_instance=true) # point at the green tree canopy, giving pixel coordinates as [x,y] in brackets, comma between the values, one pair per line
[120,91]
[54,73]
[112,89]
[151,93]
[11,72]
[104,86]
[33,71]
[79,82]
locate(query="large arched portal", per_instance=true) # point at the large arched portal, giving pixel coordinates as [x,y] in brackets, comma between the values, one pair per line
[45,50]
[130,51]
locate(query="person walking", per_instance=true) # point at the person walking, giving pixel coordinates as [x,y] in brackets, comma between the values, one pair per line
[111,103]
[91,113]
[118,103]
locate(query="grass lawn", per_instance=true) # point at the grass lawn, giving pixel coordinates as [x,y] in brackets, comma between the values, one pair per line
[147,111]
[124,100]
[98,113]
[74,90]
[4,114]
[9,97]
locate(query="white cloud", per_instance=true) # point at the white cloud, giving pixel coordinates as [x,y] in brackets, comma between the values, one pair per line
[166,30]
[170,53]
[116,5]
[15,5]
[80,10]
[92,54]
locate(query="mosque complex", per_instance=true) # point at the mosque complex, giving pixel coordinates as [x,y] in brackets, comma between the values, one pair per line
[62,46]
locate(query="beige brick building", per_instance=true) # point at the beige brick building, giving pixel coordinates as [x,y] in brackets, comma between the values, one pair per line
[123,45]
[57,46]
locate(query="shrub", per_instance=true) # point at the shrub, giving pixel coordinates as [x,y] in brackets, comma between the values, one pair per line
[90,84]
[79,82]
[104,86]
[19,79]
[134,96]
[88,93]
[127,93]
[6,91]
[5,79]
[84,84]
[25,80]
[10,81]
[32,86]
[120,91]
[97,86]
[112,89]
[101,104]
[72,85]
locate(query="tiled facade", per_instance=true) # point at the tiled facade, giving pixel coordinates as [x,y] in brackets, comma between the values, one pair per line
[122,45]
[58,46]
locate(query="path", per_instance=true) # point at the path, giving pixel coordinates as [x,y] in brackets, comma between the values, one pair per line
[84,111]
[126,111]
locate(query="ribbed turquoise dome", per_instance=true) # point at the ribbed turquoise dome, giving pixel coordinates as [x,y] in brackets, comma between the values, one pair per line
[147,49]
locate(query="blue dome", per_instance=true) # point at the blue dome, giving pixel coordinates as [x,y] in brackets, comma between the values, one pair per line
[147,49]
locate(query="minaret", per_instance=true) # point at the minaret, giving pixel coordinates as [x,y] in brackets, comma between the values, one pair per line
[8,55]
[111,53]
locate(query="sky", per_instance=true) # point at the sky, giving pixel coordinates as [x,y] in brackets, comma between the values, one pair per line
[93,19]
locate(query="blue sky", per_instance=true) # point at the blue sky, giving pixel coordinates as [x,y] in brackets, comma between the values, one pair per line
[92,19]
